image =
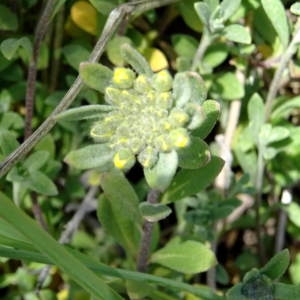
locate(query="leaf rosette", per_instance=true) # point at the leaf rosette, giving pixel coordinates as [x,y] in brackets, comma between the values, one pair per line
[146,114]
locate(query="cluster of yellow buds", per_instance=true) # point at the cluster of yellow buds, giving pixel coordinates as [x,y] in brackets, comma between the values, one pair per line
[145,118]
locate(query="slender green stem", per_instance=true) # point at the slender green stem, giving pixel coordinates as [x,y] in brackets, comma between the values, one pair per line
[114,20]
[203,292]
[204,43]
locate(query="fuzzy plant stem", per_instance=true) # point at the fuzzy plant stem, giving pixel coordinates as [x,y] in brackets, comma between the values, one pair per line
[285,58]
[112,23]
[204,43]
[144,250]
[39,35]
[273,90]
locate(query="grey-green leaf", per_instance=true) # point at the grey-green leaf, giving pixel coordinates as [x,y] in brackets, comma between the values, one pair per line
[84,112]
[209,114]
[277,265]
[295,8]
[189,182]
[92,156]
[195,155]
[237,33]
[256,115]
[154,212]
[188,87]
[95,76]
[42,184]
[36,160]
[136,60]
[160,176]
[118,210]
[276,14]
[229,7]
[75,54]
[10,46]
[8,142]
[203,12]
[228,86]
[188,257]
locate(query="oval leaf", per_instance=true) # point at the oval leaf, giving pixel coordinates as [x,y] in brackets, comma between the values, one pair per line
[154,212]
[276,14]
[84,112]
[40,183]
[195,155]
[160,176]
[228,86]
[237,33]
[189,257]
[118,211]
[95,76]
[189,182]
[92,156]
[36,160]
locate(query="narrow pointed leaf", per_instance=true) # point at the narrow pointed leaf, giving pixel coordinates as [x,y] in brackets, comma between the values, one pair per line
[189,257]
[84,112]
[95,76]
[189,182]
[160,176]
[55,252]
[136,60]
[92,156]
[277,265]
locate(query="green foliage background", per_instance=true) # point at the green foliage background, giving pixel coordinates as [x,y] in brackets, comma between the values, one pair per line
[212,237]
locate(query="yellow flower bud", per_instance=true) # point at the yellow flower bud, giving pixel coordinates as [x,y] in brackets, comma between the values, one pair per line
[124,159]
[165,100]
[162,81]
[179,138]
[178,117]
[123,78]
[141,84]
